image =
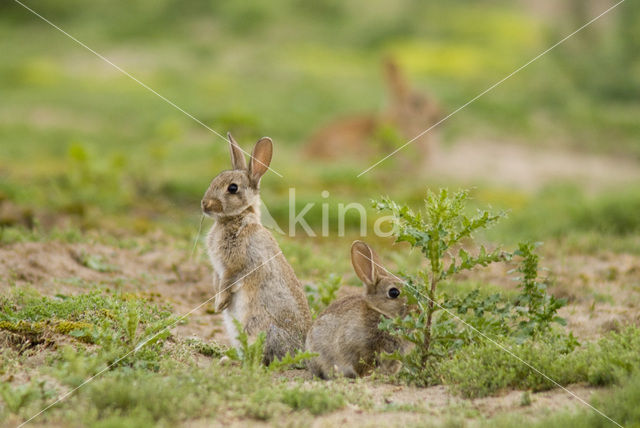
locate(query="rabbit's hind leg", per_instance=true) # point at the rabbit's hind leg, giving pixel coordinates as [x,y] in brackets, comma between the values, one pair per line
[347,371]
[279,342]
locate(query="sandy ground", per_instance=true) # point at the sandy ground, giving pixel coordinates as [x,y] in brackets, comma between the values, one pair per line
[163,275]
[166,275]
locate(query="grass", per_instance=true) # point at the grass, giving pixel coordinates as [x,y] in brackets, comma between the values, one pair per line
[159,383]
[179,392]
[317,402]
[610,214]
[484,369]
[117,323]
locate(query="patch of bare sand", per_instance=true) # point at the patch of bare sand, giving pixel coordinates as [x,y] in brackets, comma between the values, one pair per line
[162,275]
[527,167]
[415,406]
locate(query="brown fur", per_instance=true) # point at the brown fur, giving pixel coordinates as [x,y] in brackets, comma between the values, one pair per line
[254,287]
[346,336]
[409,111]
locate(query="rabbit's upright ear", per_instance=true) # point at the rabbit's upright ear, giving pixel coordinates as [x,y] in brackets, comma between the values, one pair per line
[366,264]
[238,160]
[260,159]
[398,86]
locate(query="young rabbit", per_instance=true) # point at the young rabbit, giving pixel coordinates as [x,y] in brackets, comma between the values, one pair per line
[255,283]
[346,336]
[409,111]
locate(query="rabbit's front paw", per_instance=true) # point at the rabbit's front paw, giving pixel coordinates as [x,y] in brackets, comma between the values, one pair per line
[222,300]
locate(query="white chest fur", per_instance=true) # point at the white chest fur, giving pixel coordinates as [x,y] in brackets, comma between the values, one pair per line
[235,311]
[213,244]
[218,267]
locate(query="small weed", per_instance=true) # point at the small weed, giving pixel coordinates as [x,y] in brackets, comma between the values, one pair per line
[251,355]
[320,296]
[536,308]
[18,397]
[291,361]
[94,262]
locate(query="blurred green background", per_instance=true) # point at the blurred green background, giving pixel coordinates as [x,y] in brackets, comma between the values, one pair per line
[84,146]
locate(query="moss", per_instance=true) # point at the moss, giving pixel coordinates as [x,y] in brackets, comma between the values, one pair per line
[66,327]
[37,329]
[76,329]
[108,314]
[24,334]
[25,328]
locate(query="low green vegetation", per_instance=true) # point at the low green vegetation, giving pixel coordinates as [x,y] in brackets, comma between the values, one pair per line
[176,391]
[318,401]
[128,329]
[250,354]
[610,214]
[143,377]
[483,368]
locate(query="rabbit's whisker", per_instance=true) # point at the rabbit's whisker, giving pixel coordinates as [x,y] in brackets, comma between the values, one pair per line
[195,242]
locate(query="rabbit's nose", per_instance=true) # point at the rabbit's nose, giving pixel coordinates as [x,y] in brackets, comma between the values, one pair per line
[210,205]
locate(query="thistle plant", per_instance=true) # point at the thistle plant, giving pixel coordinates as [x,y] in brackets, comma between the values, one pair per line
[439,324]
[535,308]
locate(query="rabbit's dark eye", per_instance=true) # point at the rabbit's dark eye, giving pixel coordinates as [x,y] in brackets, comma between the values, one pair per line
[233,188]
[393,292]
